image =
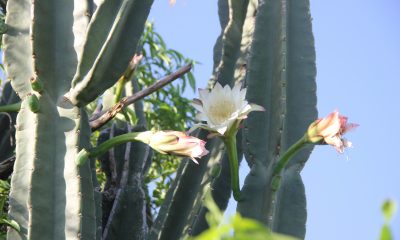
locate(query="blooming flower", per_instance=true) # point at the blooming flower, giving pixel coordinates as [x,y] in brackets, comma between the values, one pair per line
[175,143]
[222,108]
[329,130]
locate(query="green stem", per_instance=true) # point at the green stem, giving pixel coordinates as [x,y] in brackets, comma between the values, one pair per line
[132,115]
[126,77]
[11,107]
[107,145]
[230,144]
[124,138]
[284,160]
[118,90]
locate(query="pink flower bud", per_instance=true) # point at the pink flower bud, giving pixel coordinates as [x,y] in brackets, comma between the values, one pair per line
[329,130]
[178,143]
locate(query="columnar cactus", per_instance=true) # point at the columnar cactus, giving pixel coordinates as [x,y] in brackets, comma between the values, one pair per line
[59,58]
[54,43]
[281,77]
[279,72]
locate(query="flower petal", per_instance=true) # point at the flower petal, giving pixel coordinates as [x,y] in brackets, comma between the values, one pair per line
[349,127]
[243,94]
[236,89]
[197,106]
[222,129]
[255,107]
[199,125]
[250,108]
[204,94]
[201,117]
[347,143]
[218,87]
[329,125]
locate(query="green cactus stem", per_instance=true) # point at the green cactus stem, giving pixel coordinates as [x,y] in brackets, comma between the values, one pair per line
[230,144]
[11,107]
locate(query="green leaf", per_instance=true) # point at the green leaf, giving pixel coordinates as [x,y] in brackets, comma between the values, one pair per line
[214,216]
[386,234]
[389,208]
[11,223]
[165,58]
[2,201]
[192,81]
[246,228]
[214,233]
[240,228]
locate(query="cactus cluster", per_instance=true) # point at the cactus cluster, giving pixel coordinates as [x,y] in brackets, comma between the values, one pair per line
[61,56]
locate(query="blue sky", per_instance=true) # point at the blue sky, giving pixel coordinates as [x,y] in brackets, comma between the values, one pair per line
[358,65]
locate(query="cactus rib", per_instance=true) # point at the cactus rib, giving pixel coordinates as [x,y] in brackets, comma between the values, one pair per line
[17,46]
[281,78]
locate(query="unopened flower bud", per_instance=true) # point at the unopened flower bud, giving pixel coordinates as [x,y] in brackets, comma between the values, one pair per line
[175,143]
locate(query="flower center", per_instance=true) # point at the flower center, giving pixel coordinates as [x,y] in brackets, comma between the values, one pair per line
[220,111]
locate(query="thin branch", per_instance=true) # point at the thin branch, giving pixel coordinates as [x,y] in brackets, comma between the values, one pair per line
[110,114]
[97,112]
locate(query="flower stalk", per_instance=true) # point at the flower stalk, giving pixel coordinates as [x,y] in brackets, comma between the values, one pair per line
[107,145]
[11,107]
[284,160]
[230,144]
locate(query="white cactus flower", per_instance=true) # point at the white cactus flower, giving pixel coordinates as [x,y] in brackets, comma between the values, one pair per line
[222,108]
